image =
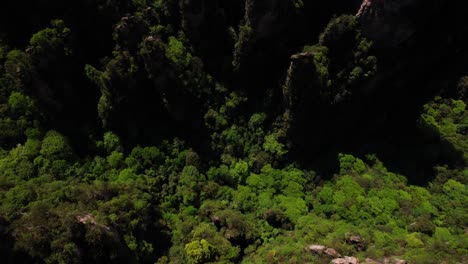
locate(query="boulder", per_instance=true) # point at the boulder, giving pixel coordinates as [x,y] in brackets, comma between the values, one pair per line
[371,261]
[316,249]
[345,260]
[332,252]
[393,260]
[399,261]
[357,241]
[339,261]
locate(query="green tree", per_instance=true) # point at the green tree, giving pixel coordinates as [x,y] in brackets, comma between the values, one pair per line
[199,251]
[50,41]
[55,146]
[19,68]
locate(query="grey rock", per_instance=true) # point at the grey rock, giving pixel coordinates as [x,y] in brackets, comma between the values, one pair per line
[316,249]
[332,252]
[345,260]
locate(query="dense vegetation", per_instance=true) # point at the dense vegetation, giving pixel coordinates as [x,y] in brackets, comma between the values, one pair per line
[163,131]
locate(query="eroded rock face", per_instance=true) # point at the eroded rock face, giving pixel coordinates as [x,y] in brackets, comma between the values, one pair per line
[399,261]
[357,241]
[383,8]
[316,249]
[345,260]
[371,261]
[393,260]
[323,250]
[388,21]
[396,23]
[332,252]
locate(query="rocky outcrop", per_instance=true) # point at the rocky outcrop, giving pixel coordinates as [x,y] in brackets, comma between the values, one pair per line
[330,253]
[301,83]
[316,249]
[393,260]
[381,9]
[354,260]
[385,20]
[398,23]
[263,21]
[298,62]
[371,261]
[345,260]
[368,7]
[357,241]
[323,250]
[89,219]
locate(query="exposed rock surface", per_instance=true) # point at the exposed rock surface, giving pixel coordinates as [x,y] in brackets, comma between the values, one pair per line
[393,260]
[371,261]
[357,241]
[317,249]
[386,20]
[332,252]
[345,260]
[322,250]
[89,219]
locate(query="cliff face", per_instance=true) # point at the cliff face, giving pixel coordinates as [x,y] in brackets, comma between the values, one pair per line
[423,42]
[388,21]
[396,23]
[384,7]
[420,46]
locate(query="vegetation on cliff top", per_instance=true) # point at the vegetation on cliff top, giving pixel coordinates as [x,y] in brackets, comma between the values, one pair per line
[174,132]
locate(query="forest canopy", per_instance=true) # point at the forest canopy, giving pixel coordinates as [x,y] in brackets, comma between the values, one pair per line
[161,131]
